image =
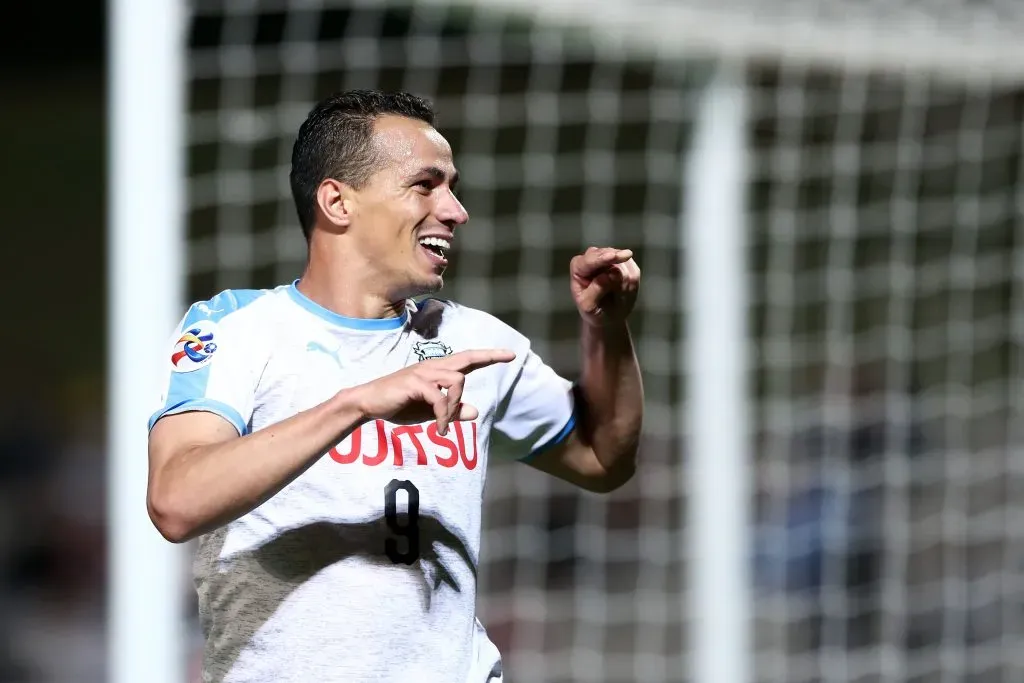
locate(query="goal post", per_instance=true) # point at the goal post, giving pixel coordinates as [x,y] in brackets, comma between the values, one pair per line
[825,199]
[716,407]
[145,294]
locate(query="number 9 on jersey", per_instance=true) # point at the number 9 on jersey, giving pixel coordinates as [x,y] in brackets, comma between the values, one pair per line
[403,546]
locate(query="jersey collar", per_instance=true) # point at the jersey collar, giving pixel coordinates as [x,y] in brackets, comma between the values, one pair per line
[371,324]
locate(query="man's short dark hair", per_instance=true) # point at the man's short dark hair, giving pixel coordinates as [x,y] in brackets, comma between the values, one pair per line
[336,141]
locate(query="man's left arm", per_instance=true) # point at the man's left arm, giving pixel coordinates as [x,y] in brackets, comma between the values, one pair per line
[600,454]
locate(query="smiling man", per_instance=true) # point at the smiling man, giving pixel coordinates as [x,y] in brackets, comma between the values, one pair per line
[327,441]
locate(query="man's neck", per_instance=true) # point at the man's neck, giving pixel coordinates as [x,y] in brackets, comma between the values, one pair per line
[344,291]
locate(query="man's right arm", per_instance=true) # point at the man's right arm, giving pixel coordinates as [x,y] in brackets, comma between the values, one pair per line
[202,474]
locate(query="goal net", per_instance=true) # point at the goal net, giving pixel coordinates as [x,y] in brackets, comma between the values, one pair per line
[886,255]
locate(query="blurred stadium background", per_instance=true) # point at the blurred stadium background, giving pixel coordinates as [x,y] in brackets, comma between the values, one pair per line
[883,147]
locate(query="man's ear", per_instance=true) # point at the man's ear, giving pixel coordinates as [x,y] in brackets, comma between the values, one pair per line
[334,199]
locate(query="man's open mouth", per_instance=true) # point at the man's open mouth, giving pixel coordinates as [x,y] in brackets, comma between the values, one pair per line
[436,247]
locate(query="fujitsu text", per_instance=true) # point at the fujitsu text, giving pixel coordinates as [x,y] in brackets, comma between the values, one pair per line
[417,445]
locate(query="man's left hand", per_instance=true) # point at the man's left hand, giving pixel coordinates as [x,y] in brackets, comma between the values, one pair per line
[605,282]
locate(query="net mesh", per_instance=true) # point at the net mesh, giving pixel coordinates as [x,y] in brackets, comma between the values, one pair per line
[886,259]
[888,267]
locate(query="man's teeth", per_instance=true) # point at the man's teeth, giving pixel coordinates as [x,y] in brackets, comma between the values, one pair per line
[442,244]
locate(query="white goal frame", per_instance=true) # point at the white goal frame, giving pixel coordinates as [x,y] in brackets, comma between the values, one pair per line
[145,270]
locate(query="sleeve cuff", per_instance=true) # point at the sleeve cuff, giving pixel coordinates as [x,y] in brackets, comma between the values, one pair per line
[204,405]
[562,435]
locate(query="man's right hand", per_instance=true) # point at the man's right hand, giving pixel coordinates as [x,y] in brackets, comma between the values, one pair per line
[430,388]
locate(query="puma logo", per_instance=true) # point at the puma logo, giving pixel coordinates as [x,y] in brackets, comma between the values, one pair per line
[334,354]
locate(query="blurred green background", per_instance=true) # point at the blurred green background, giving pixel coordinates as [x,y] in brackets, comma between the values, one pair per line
[52,414]
[53,189]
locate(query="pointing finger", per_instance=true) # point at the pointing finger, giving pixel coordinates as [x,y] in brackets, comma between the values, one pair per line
[468,361]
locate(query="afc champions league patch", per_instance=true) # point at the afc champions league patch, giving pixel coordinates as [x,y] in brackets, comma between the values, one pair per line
[425,350]
[195,347]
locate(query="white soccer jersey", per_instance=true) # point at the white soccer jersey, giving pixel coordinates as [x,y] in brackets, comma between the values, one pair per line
[364,567]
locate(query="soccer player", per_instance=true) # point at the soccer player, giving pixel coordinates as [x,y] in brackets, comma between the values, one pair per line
[327,440]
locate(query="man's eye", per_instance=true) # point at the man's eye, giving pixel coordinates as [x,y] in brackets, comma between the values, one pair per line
[426,184]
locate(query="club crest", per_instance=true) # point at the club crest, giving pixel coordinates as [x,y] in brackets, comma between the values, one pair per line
[425,350]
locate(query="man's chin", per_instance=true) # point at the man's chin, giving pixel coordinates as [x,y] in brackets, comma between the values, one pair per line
[424,285]
[434,284]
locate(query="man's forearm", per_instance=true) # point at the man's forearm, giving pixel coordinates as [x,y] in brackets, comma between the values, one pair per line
[204,487]
[613,397]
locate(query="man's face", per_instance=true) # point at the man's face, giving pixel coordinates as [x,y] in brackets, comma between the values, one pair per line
[403,219]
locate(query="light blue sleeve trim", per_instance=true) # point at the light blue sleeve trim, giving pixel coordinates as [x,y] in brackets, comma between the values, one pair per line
[205,405]
[187,390]
[557,439]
